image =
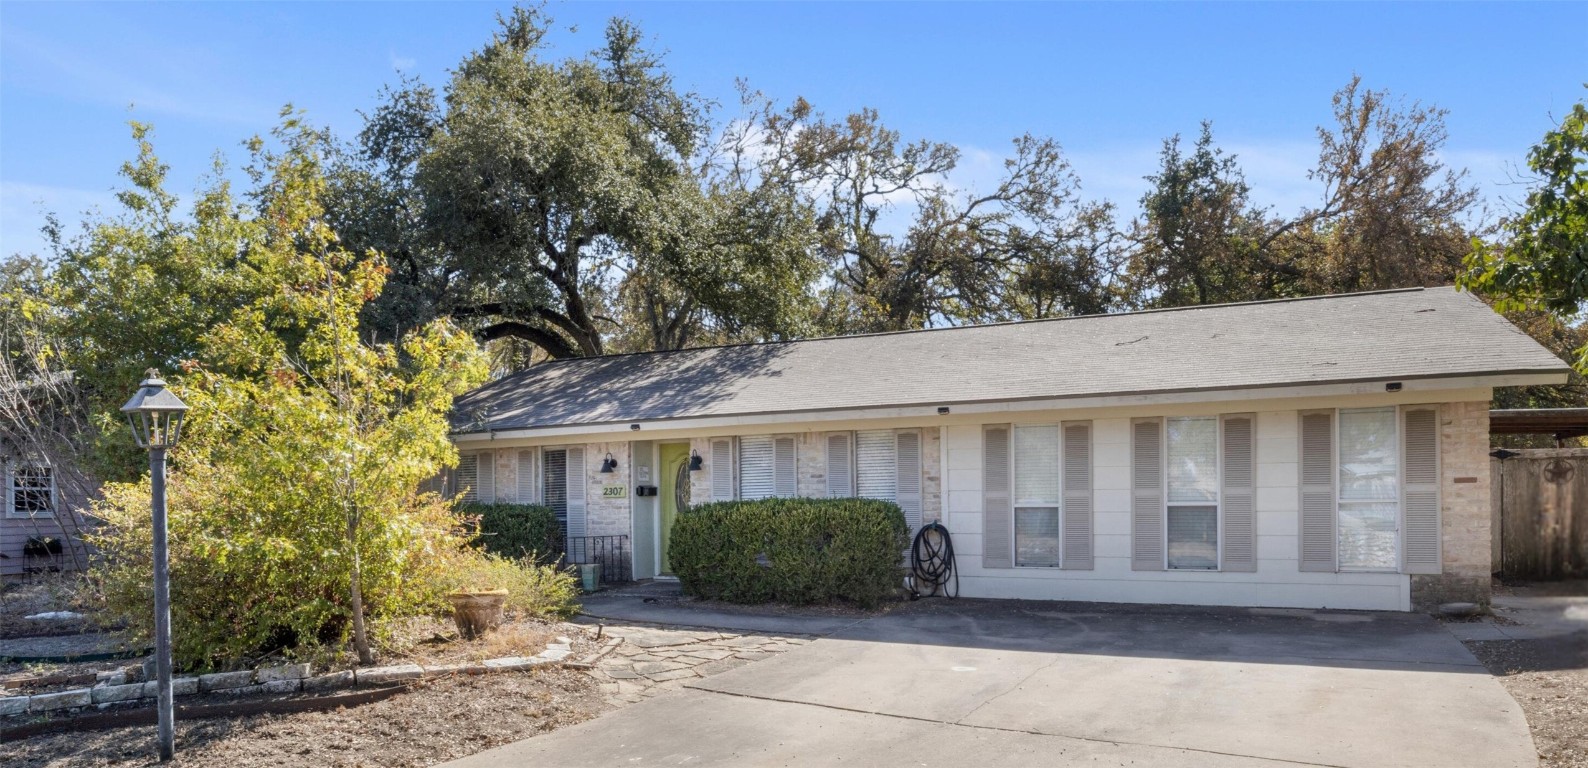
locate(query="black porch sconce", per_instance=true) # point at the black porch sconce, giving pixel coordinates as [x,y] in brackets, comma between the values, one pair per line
[609,465]
[694,460]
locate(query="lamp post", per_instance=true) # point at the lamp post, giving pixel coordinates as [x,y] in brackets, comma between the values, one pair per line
[156,418]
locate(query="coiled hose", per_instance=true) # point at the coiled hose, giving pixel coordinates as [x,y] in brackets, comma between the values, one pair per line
[932,563]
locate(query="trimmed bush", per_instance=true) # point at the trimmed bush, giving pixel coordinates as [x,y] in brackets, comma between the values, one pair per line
[517,531]
[791,550]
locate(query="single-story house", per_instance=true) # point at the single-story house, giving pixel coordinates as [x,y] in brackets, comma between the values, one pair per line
[1318,452]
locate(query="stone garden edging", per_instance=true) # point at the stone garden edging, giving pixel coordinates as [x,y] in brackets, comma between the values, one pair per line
[112,688]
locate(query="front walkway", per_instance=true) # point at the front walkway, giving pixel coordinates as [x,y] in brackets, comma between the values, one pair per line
[1029,683]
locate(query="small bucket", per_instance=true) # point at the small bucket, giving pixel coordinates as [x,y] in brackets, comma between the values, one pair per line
[590,576]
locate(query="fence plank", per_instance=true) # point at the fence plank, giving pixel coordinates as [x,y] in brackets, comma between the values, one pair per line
[1543,500]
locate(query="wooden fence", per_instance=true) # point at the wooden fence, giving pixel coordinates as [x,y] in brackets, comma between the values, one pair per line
[1540,499]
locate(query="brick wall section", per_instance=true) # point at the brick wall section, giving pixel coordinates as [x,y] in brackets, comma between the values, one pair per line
[606,517]
[1464,509]
[811,461]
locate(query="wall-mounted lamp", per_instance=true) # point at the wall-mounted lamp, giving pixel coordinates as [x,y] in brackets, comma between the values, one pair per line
[609,465]
[942,410]
[694,461]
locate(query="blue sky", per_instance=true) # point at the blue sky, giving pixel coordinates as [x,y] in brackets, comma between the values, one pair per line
[1109,81]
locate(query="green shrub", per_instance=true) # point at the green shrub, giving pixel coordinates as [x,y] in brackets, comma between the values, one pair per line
[517,531]
[532,589]
[791,550]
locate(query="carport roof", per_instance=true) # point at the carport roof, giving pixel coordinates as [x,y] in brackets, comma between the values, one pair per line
[1363,337]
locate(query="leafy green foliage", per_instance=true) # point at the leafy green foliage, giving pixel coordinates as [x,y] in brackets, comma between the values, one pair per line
[293,493]
[791,550]
[1543,263]
[517,530]
[533,589]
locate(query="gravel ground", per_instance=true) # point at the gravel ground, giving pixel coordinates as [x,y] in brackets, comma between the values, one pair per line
[1549,678]
[433,723]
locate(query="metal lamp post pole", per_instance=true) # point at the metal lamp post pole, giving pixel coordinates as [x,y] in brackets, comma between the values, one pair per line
[162,606]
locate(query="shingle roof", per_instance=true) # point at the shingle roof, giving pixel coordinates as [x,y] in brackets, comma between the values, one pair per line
[1388,335]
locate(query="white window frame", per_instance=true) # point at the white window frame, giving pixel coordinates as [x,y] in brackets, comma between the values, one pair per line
[11,469]
[1218,504]
[772,439]
[1015,504]
[1400,491]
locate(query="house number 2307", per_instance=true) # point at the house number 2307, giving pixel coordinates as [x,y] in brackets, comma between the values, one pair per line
[614,491]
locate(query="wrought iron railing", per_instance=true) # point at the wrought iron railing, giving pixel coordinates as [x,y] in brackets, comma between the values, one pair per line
[611,552]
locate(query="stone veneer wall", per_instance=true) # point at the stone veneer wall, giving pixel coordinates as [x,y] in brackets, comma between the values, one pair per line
[1464,508]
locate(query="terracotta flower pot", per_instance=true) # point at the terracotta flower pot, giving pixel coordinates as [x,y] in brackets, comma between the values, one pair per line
[476,613]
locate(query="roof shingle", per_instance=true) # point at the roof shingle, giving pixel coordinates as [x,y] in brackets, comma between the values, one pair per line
[1407,334]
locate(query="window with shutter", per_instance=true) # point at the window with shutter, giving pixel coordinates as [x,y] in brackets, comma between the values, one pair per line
[756,475]
[997,522]
[875,468]
[1369,490]
[468,477]
[1146,503]
[526,477]
[1317,491]
[907,478]
[1192,481]
[1077,486]
[722,469]
[840,465]
[554,482]
[1239,550]
[1421,495]
[1036,495]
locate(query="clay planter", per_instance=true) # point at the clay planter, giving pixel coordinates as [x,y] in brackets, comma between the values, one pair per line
[477,612]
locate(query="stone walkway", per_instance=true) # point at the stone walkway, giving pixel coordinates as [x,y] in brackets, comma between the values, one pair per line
[652,660]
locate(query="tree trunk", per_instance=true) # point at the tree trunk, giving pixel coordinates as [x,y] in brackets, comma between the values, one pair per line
[356,598]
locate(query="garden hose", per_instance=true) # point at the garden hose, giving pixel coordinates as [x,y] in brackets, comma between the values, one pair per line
[932,563]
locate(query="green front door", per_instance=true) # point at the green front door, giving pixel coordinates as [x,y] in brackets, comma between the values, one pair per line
[674,492]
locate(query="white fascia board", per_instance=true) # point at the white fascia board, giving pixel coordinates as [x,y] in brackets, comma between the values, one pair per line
[1412,391]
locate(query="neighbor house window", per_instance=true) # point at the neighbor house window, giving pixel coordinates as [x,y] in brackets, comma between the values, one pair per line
[30,491]
[1369,501]
[1192,477]
[1037,495]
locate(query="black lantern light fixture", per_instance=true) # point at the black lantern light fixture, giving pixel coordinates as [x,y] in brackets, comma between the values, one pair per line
[694,460]
[609,465]
[156,418]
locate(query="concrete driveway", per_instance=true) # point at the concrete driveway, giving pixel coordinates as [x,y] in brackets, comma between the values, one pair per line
[976,682]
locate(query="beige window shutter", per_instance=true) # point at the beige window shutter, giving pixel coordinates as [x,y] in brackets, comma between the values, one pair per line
[468,477]
[907,484]
[576,493]
[527,486]
[486,470]
[723,485]
[840,465]
[785,477]
[1239,547]
[1420,490]
[997,502]
[1077,471]
[1146,495]
[1317,491]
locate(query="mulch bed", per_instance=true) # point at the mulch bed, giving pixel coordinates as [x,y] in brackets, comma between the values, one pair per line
[432,723]
[1549,678]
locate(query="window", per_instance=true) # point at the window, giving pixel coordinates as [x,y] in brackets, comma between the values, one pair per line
[1369,502]
[1192,473]
[1037,497]
[554,482]
[766,467]
[30,491]
[875,465]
